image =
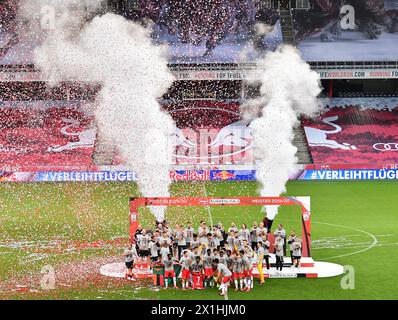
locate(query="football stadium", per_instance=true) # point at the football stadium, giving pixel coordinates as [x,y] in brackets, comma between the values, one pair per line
[198,150]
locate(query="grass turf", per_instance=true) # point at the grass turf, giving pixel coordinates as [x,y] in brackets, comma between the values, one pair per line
[347,217]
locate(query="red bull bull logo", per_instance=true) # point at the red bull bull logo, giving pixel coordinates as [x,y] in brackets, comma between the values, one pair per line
[224,175]
[198,143]
[319,138]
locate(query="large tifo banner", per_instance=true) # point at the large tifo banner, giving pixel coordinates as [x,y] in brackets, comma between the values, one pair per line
[61,134]
[354,131]
[195,31]
[46,133]
[210,132]
[348,30]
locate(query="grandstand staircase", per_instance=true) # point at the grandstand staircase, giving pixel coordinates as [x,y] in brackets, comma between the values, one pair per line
[104,152]
[300,141]
[287,26]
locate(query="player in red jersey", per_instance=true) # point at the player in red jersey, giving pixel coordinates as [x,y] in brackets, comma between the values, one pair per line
[224,274]
[238,272]
[208,267]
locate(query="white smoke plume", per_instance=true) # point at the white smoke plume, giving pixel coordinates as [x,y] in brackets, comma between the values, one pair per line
[120,55]
[288,89]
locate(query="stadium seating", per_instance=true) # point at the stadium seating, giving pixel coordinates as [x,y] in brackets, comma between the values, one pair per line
[59,135]
[355,131]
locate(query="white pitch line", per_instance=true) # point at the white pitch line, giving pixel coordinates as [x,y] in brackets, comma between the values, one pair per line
[374,243]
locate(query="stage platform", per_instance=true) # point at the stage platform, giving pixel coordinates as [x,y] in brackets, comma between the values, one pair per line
[309,269]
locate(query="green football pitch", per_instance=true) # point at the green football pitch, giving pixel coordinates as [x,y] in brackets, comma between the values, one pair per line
[75,228]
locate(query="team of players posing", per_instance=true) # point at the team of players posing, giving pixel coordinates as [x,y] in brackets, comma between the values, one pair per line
[212,254]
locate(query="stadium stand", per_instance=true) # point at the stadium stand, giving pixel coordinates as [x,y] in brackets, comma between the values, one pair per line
[355,131]
[42,126]
[50,134]
[38,90]
[43,134]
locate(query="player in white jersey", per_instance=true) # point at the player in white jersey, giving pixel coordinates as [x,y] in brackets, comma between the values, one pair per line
[208,268]
[190,253]
[129,261]
[222,257]
[165,239]
[224,274]
[203,230]
[164,251]
[189,232]
[247,266]
[169,271]
[229,260]
[196,253]
[223,234]
[195,241]
[217,237]
[185,263]
[153,249]
[174,241]
[238,242]
[216,254]
[254,236]
[249,252]
[237,271]
[210,240]
[281,232]
[279,252]
[244,233]
[233,228]
[261,231]
[156,238]
[248,249]
[143,244]
[181,237]
[231,240]
[290,242]
[266,245]
[297,253]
